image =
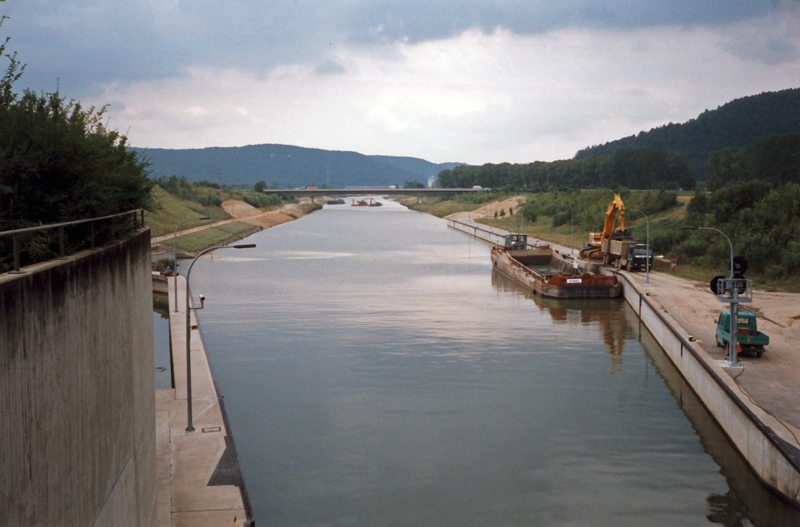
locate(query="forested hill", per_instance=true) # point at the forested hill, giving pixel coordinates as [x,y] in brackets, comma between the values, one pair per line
[740,123]
[288,166]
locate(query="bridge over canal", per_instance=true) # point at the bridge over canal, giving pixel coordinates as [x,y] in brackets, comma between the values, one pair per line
[372,191]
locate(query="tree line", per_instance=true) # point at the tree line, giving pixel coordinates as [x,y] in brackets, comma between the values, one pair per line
[761,218]
[739,123]
[636,168]
[59,162]
[776,160]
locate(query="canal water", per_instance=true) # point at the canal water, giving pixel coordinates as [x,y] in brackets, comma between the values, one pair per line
[377,373]
[163,359]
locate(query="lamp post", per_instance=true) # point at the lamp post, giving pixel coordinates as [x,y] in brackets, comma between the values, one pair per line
[175,256]
[716,230]
[190,427]
[734,330]
[648,240]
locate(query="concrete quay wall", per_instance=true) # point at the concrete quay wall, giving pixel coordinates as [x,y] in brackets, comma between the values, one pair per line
[478,230]
[756,434]
[751,430]
[77,385]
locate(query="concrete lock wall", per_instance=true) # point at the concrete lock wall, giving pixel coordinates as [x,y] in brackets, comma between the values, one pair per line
[77,388]
[747,426]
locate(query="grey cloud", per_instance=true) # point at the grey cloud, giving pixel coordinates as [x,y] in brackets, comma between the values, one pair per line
[423,20]
[85,42]
[771,51]
[330,67]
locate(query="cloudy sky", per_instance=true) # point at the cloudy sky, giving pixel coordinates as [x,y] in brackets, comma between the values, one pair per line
[444,80]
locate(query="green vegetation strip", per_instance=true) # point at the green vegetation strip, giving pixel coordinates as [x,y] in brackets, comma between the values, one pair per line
[197,241]
[765,231]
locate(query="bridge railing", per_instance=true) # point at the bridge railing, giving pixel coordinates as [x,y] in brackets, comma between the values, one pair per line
[62,238]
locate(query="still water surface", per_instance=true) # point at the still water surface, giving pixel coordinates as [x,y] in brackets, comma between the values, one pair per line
[376,372]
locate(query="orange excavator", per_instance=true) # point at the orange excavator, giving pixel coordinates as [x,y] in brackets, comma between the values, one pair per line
[594,249]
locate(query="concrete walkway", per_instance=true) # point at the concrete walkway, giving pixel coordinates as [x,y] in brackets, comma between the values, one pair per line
[188,462]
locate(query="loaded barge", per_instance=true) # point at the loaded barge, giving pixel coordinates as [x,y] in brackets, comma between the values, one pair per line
[544,271]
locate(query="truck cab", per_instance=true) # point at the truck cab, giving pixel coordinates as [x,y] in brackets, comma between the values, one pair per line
[626,254]
[638,255]
[747,334]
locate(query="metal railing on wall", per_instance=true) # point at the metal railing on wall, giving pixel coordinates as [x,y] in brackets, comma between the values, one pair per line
[15,234]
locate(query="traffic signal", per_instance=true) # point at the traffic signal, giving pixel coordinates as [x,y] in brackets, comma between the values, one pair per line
[739,266]
[714,282]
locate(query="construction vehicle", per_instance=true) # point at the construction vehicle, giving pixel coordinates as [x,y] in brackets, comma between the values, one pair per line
[616,246]
[627,254]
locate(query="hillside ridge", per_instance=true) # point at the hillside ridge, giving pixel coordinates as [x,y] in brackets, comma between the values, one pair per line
[738,123]
[287,166]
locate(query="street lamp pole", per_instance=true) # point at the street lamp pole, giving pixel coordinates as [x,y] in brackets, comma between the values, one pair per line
[734,330]
[716,230]
[648,240]
[190,427]
[175,256]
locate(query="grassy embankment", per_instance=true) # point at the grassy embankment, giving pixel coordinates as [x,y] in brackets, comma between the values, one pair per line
[543,228]
[170,209]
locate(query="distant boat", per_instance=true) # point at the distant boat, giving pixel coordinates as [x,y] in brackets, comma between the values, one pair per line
[339,201]
[368,202]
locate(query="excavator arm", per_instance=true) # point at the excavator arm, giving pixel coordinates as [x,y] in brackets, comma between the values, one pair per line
[593,251]
[611,215]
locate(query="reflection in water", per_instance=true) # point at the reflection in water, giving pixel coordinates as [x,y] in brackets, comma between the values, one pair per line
[726,509]
[605,312]
[161,304]
[163,373]
[748,501]
[390,383]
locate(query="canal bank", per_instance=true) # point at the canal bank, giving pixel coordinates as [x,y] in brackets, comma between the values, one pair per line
[241,214]
[755,404]
[199,479]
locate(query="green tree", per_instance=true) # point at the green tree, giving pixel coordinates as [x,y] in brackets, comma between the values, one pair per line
[778,159]
[58,162]
[729,165]
[12,74]
[260,186]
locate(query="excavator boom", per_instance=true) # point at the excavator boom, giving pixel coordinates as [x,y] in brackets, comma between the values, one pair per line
[611,216]
[593,251]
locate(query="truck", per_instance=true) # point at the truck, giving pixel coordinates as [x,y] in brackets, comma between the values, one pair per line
[750,339]
[616,245]
[627,254]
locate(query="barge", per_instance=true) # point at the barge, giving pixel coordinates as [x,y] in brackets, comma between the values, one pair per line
[543,271]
